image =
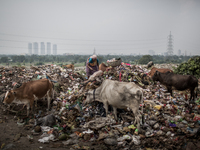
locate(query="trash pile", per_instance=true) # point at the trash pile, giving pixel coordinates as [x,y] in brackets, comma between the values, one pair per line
[114,62]
[166,121]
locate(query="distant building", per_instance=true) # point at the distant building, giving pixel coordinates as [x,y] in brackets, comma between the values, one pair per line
[48,48]
[54,49]
[179,52]
[42,48]
[151,52]
[68,54]
[185,53]
[165,53]
[30,48]
[35,48]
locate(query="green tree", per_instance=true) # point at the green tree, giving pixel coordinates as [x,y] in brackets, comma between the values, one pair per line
[145,59]
[24,62]
[21,58]
[191,67]
[31,60]
[39,63]
[18,64]
[81,59]
[4,59]
[100,59]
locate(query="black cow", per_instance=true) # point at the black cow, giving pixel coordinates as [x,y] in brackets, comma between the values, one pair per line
[179,82]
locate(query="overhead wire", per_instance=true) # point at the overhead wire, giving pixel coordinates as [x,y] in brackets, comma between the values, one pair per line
[135,44]
[78,44]
[79,39]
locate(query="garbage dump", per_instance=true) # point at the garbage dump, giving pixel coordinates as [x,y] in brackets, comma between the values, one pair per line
[166,122]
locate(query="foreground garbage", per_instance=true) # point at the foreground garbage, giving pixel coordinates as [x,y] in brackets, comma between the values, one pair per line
[167,122]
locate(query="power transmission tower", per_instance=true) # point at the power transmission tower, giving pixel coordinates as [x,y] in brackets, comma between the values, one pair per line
[170,45]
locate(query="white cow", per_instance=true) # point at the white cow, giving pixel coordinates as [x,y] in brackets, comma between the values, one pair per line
[119,95]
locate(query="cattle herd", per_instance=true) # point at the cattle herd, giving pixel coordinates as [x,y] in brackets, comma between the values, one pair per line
[119,95]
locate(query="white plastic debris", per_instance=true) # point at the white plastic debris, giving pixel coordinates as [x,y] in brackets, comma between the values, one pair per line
[136,140]
[47,139]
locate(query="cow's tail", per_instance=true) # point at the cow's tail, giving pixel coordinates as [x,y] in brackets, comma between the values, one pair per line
[197,90]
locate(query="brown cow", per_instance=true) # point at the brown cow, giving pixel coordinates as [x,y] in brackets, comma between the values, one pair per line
[162,70]
[70,66]
[103,67]
[30,91]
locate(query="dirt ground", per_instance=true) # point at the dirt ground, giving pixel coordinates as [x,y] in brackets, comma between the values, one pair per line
[15,137]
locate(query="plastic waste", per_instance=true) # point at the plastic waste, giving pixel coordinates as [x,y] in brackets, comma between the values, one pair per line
[149,134]
[136,140]
[158,107]
[196,117]
[172,125]
[49,120]
[70,142]
[110,141]
[99,122]
[159,133]
[47,139]
[156,126]
[177,118]
[62,109]
[192,130]
[20,124]
[136,131]
[132,127]
[88,131]
[123,138]
[185,122]
[168,133]
[151,122]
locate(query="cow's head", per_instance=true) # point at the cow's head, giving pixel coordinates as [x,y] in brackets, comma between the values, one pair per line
[156,76]
[9,97]
[89,97]
[150,74]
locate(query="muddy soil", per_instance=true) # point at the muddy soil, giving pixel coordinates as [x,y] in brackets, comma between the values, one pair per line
[14,136]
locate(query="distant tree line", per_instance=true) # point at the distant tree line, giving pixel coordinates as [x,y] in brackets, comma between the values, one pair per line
[191,67]
[64,59]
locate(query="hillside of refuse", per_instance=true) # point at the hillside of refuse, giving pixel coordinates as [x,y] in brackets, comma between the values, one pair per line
[168,122]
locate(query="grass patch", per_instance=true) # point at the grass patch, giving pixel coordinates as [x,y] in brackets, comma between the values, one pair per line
[44,63]
[79,64]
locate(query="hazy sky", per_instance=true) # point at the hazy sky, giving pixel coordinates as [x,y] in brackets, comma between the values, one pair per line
[109,26]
